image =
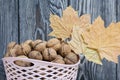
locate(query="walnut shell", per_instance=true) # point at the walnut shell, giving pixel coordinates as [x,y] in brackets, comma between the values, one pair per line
[36,42]
[22,63]
[49,54]
[54,43]
[18,49]
[10,46]
[25,48]
[59,59]
[71,58]
[11,53]
[35,55]
[13,50]
[29,42]
[64,50]
[40,46]
[6,54]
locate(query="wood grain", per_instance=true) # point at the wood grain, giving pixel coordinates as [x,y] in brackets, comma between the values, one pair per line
[56,7]
[107,10]
[118,19]
[34,17]
[29,19]
[8,27]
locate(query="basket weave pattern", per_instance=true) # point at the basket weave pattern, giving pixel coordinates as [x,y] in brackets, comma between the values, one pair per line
[41,70]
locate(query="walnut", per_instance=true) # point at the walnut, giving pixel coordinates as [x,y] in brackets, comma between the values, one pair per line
[39,45]
[59,59]
[10,46]
[29,42]
[18,49]
[35,55]
[71,58]
[25,48]
[22,63]
[11,53]
[36,42]
[49,54]
[64,50]
[54,43]
[6,54]
[14,51]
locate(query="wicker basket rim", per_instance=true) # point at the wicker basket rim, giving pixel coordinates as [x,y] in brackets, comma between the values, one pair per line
[39,61]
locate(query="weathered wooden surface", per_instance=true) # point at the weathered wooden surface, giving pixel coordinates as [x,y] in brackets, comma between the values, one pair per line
[8,27]
[107,10]
[34,17]
[118,19]
[29,19]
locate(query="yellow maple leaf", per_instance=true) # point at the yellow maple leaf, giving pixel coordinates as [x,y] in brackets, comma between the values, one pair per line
[62,27]
[92,55]
[105,41]
[97,42]
[78,46]
[76,42]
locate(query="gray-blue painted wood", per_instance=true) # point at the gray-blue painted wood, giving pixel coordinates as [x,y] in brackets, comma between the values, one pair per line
[8,27]
[107,10]
[118,19]
[29,19]
[34,17]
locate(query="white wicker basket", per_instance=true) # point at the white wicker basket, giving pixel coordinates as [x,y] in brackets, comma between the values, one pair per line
[41,70]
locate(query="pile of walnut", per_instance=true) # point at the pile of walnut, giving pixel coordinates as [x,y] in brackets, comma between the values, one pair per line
[53,50]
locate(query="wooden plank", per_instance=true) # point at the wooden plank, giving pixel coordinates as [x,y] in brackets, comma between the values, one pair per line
[8,27]
[74,3]
[56,7]
[34,17]
[107,10]
[118,19]
[27,19]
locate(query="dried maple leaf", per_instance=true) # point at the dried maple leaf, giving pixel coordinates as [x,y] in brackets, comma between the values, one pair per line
[76,42]
[105,41]
[92,55]
[97,42]
[78,46]
[62,27]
